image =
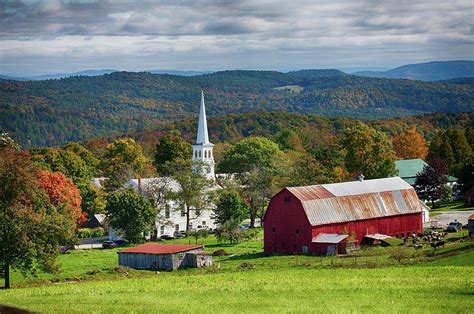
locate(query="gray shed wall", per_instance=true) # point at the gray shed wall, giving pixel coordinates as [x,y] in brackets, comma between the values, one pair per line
[152,261]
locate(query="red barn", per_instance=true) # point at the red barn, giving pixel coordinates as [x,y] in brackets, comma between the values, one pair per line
[317,219]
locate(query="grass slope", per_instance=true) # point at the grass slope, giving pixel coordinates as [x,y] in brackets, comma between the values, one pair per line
[249,281]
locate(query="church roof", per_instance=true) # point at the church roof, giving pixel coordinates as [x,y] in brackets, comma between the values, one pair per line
[202,135]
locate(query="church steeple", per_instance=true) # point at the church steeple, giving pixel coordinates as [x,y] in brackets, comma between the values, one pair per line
[202,149]
[202,135]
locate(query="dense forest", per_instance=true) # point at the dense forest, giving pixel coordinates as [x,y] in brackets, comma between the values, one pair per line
[53,112]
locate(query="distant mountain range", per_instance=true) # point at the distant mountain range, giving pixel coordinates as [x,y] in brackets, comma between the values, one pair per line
[429,71]
[51,112]
[95,73]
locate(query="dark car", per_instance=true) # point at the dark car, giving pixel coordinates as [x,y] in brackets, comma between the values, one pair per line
[121,242]
[108,244]
[454,226]
[179,234]
[167,237]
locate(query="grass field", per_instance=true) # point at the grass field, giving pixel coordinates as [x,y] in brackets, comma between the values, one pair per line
[455,205]
[369,280]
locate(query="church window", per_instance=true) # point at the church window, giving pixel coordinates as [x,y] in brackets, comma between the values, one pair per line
[199,154]
[167,212]
[195,154]
[176,228]
[162,229]
[205,154]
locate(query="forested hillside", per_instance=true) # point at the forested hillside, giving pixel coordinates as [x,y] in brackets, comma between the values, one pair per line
[52,112]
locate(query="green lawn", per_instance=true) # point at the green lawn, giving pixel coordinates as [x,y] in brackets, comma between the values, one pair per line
[249,281]
[453,206]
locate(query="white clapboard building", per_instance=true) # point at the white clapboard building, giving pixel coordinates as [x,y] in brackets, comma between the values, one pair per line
[171,219]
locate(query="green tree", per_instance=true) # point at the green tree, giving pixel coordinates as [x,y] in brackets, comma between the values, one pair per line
[289,139]
[123,160]
[462,151]
[169,149]
[230,231]
[249,153]
[31,228]
[429,183]
[130,213]
[440,148]
[369,152]
[64,161]
[230,205]
[192,195]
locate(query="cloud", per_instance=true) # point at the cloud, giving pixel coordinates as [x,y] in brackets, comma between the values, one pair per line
[238,34]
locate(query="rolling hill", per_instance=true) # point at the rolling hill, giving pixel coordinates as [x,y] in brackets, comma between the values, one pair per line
[52,112]
[429,71]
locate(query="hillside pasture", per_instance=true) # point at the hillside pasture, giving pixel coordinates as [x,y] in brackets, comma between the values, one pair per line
[249,281]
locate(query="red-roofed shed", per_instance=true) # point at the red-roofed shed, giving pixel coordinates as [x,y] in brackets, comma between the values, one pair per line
[162,256]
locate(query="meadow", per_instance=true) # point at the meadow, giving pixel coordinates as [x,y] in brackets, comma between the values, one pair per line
[371,279]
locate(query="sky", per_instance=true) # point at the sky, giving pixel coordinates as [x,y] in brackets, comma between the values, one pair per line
[43,37]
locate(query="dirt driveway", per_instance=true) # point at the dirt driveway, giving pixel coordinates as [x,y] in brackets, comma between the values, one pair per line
[446,217]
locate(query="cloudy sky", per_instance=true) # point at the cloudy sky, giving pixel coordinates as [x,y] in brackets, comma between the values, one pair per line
[38,37]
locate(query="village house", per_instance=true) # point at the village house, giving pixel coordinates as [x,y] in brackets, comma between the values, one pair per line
[321,219]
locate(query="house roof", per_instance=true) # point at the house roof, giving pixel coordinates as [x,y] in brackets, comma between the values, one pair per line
[357,200]
[152,248]
[410,167]
[329,238]
[377,236]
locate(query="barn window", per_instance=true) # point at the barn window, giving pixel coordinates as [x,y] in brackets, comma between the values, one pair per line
[176,227]
[273,229]
[297,231]
[287,199]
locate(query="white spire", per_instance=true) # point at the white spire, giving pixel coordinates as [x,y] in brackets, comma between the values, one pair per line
[202,136]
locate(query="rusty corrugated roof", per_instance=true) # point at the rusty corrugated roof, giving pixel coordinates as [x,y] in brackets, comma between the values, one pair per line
[152,248]
[329,238]
[350,201]
[304,193]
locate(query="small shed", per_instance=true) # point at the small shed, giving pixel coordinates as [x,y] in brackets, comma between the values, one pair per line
[376,239]
[329,244]
[161,256]
[197,260]
[469,197]
[470,225]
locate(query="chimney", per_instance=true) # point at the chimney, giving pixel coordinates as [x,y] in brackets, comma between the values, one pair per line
[361,177]
[139,186]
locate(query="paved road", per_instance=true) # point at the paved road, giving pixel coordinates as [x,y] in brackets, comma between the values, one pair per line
[446,217]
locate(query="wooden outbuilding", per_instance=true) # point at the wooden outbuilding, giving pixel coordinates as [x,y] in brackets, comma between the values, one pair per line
[164,256]
[316,219]
[470,225]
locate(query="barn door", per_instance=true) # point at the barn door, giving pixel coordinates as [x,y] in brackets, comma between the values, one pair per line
[331,250]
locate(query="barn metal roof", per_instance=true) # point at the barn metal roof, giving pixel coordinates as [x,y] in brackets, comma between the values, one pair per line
[350,201]
[152,248]
[329,238]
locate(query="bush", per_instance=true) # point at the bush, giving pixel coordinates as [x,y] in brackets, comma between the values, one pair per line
[84,233]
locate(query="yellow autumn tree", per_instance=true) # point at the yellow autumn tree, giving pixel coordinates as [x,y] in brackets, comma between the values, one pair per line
[410,145]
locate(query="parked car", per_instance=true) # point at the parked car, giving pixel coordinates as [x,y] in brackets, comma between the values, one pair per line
[167,237]
[121,242]
[108,244]
[202,227]
[179,234]
[454,226]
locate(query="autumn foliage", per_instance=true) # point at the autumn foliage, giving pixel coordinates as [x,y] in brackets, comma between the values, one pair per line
[62,191]
[410,145]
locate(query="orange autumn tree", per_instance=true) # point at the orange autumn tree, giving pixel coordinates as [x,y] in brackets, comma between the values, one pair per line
[62,191]
[410,145]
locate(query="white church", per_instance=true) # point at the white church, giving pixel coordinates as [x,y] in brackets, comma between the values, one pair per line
[171,219]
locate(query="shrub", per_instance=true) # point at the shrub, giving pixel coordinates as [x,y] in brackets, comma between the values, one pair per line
[84,233]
